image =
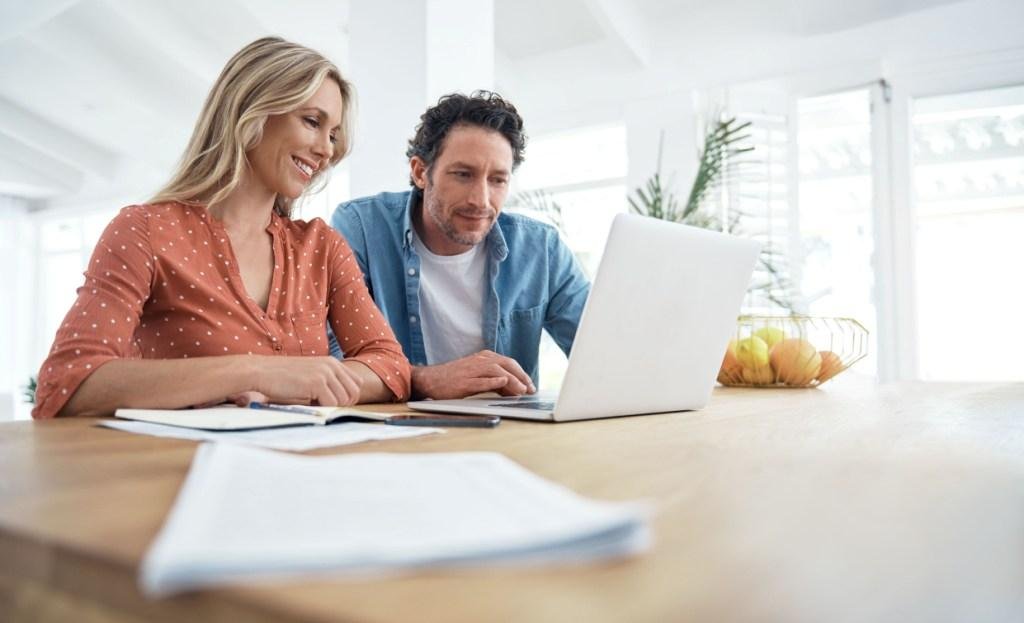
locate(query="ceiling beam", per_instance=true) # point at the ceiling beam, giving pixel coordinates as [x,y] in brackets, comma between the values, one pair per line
[624,25]
[23,165]
[55,141]
[18,18]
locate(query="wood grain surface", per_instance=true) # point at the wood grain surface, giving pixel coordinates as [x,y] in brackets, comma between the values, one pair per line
[852,502]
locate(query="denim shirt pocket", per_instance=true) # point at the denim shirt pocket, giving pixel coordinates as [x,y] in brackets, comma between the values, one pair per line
[310,330]
[520,336]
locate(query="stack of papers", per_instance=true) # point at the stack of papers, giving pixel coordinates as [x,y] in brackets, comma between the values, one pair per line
[245,513]
[296,439]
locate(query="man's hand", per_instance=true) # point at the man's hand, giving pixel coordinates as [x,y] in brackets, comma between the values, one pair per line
[321,381]
[485,371]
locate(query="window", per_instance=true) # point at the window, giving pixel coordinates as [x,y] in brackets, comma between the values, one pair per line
[65,245]
[757,201]
[836,227]
[968,185]
[584,172]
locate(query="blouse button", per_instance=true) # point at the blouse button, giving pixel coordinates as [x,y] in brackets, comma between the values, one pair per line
[278,347]
[412,272]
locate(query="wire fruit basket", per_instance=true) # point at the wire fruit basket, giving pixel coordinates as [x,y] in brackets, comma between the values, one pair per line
[791,351]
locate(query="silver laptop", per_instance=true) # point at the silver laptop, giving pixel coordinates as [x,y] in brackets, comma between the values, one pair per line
[654,329]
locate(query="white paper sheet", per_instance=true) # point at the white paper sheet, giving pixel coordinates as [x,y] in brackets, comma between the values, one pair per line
[294,438]
[245,513]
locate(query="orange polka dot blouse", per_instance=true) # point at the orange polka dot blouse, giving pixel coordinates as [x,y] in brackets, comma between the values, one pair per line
[163,283]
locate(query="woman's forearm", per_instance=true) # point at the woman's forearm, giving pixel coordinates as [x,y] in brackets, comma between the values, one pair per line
[161,384]
[373,388]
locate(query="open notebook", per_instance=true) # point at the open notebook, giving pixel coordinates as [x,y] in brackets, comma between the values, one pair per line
[232,418]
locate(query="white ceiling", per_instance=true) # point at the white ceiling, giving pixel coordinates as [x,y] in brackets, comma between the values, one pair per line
[102,93]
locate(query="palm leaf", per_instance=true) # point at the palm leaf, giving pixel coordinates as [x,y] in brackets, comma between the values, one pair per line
[540,203]
[720,157]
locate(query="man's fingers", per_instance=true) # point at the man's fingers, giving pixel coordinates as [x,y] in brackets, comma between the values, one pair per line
[511,366]
[513,388]
[483,384]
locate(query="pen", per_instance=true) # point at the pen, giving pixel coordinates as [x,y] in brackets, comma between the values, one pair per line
[470,421]
[288,408]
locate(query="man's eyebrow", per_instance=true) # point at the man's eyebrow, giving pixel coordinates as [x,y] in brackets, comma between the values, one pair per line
[459,164]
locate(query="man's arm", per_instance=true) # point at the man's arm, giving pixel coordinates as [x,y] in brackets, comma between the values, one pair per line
[569,288]
[347,222]
[485,371]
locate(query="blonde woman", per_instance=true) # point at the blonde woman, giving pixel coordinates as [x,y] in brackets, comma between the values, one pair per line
[210,291]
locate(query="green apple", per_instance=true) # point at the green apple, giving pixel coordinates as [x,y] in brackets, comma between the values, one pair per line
[752,352]
[770,335]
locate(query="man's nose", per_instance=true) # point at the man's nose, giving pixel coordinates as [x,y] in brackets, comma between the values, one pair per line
[479,194]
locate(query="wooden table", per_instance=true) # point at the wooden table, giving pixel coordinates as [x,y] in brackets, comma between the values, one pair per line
[847,503]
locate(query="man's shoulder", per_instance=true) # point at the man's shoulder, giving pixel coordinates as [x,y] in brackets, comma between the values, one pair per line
[517,224]
[381,205]
[522,231]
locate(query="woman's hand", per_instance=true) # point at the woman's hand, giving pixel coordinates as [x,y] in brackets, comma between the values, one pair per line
[321,381]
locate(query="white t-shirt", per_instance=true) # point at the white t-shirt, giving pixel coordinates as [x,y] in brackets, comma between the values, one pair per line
[452,289]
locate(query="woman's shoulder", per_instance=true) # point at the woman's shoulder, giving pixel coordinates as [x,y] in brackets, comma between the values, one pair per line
[315,230]
[170,212]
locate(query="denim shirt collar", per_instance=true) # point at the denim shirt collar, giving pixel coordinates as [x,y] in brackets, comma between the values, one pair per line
[410,205]
[496,245]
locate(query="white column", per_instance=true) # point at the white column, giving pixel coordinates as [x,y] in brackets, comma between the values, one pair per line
[671,120]
[387,39]
[404,54]
[460,46]
[17,314]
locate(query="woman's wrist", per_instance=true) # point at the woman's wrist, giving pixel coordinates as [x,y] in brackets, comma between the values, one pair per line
[244,373]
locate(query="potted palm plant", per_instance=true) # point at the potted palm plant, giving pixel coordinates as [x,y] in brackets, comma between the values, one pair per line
[722,154]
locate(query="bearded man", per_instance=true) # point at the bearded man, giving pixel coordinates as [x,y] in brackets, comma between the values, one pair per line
[466,288]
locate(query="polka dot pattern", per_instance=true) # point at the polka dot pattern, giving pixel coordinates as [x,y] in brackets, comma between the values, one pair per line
[163,283]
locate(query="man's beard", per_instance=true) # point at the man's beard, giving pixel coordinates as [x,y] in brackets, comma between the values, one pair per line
[447,226]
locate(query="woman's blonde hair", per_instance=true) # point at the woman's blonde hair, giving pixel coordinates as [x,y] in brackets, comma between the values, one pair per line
[270,76]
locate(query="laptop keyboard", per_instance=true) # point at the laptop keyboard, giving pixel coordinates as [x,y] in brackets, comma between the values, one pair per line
[540,405]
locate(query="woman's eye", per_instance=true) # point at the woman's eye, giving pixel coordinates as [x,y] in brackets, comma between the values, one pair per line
[334,139]
[313,122]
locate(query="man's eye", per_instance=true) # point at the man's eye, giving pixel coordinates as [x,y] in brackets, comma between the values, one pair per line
[460,173]
[500,181]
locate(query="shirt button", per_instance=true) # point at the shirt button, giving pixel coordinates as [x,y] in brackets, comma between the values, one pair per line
[412,272]
[412,319]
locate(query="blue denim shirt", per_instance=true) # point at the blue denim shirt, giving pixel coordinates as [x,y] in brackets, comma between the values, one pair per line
[535,281]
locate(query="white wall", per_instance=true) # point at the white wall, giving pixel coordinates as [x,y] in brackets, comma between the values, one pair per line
[17,247]
[404,55]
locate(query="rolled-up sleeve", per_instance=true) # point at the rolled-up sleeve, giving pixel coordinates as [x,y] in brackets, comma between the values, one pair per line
[100,325]
[359,326]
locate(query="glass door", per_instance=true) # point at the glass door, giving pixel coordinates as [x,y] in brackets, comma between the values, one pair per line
[835,185]
[968,191]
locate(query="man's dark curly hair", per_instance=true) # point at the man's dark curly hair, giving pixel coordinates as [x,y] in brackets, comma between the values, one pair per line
[481,108]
